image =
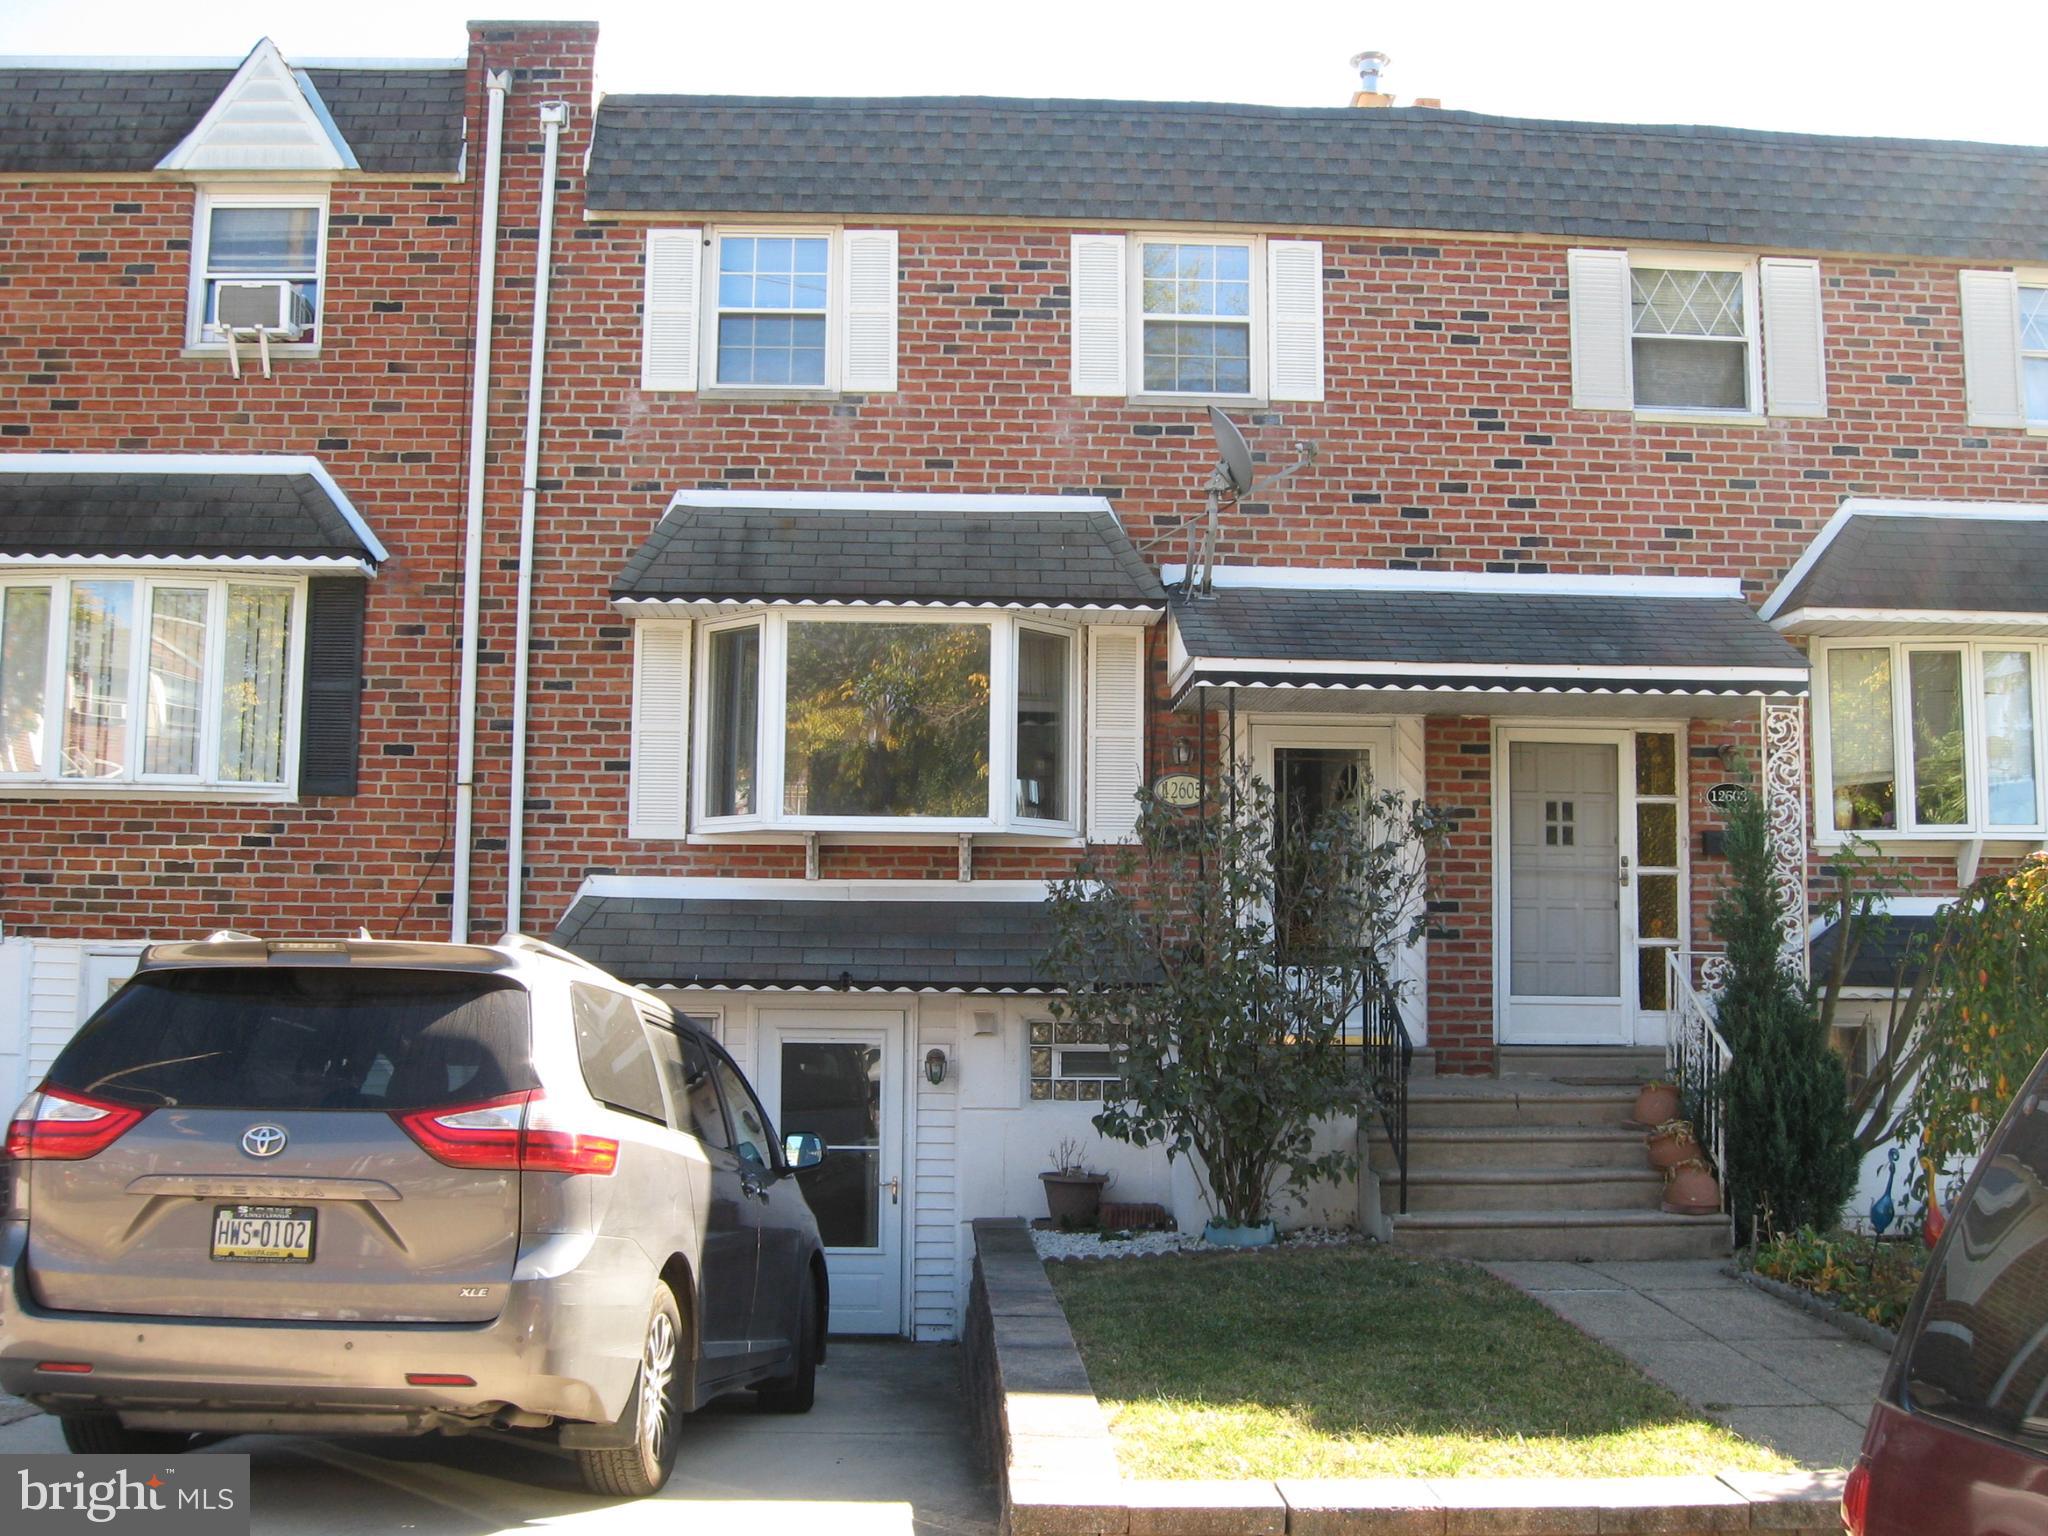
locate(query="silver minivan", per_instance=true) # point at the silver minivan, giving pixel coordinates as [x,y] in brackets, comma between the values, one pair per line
[351,1186]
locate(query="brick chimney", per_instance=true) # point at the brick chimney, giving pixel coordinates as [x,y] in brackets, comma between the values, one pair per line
[1369,65]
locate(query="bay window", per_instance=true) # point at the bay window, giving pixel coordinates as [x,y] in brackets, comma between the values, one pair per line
[939,722]
[153,680]
[1931,738]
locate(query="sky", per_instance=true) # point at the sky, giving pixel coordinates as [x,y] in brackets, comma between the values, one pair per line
[1965,70]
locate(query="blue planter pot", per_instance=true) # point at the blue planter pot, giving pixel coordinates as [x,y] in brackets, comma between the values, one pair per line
[1224,1236]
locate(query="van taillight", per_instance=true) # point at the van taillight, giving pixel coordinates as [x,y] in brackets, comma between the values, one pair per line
[508,1134]
[54,1125]
[1856,1498]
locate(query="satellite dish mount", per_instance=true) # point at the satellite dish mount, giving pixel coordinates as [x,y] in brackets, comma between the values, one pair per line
[1230,482]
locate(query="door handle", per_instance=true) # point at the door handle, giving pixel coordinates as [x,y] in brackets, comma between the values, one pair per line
[1624,869]
[895,1188]
[751,1186]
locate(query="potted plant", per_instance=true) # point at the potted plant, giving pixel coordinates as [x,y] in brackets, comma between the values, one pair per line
[1657,1103]
[1690,1189]
[1672,1143]
[1073,1195]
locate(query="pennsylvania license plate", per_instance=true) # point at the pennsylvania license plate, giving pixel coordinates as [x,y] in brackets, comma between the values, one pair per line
[263,1234]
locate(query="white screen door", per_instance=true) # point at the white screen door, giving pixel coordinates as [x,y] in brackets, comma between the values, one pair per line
[839,1076]
[1568,930]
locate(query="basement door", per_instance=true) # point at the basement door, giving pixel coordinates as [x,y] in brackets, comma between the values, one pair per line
[1565,929]
[839,1075]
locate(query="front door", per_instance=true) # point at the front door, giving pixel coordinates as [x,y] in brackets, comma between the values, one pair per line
[1567,927]
[839,1076]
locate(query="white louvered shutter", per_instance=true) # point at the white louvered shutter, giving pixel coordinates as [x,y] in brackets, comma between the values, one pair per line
[1294,298]
[1116,731]
[1603,373]
[868,338]
[668,314]
[1795,364]
[1096,282]
[1991,350]
[661,730]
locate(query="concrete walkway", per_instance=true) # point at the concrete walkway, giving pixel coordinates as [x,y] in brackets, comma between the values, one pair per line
[1767,1370]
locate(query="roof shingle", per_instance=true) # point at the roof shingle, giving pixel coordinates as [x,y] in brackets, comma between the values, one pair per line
[46,513]
[1933,563]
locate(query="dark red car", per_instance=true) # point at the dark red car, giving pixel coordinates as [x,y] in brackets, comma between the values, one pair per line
[1958,1442]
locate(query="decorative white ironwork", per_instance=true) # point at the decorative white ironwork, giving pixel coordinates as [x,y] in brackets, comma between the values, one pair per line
[1784,786]
[1697,1058]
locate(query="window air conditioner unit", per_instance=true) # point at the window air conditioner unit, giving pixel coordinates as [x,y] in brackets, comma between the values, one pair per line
[271,310]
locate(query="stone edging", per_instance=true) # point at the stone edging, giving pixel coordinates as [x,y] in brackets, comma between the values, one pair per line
[1048,1444]
[1860,1328]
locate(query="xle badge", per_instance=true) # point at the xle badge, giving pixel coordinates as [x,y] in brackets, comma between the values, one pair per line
[476,1290]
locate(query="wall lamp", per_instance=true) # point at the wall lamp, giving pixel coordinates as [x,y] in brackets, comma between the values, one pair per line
[935,1066]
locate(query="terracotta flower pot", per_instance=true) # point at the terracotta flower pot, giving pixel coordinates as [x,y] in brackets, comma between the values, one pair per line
[1671,1144]
[1691,1190]
[1073,1199]
[1657,1103]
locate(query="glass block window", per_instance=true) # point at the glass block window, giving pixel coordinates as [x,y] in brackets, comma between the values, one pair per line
[772,294]
[1660,924]
[1691,339]
[1067,1068]
[1196,303]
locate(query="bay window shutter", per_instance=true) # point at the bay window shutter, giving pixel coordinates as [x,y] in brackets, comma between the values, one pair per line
[1096,281]
[669,309]
[868,337]
[1603,370]
[1116,731]
[1992,391]
[1294,300]
[330,726]
[1795,368]
[661,730]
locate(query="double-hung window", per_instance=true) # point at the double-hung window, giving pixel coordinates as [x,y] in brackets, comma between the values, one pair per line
[171,680]
[2034,351]
[1692,337]
[772,302]
[253,244]
[1939,738]
[1195,308]
[931,720]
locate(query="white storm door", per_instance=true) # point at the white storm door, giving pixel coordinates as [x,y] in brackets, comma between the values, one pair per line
[839,1076]
[1566,928]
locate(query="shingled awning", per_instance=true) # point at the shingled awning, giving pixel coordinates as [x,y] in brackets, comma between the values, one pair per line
[818,938]
[1898,567]
[886,549]
[190,508]
[1452,650]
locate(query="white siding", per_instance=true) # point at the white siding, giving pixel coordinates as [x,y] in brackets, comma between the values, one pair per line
[56,971]
[15,955]
[934,1226]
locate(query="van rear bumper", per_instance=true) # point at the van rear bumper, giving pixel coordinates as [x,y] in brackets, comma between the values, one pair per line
[566,1345]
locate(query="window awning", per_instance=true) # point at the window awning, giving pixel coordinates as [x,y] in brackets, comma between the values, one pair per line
[1920,568]
[813,936]
[1480,648]
[179,510]
[853,549]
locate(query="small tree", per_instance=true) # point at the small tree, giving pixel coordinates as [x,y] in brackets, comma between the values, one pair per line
[1223,965]
[1791,1149]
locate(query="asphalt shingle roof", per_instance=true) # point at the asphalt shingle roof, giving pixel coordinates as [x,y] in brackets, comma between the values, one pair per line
[152,512]
[1066,551]
[1957,564]
[1393,169]
[398,121]
[954,945]
[1878,953]
[1482,629]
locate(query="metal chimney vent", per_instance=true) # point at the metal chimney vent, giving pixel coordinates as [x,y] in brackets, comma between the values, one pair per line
[1370,65]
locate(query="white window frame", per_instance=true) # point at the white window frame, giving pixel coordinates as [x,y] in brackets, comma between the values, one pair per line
[133,778]
[774,622]
[2024,278]
[833,315]
[1256,323]
[1056,1052]
[1976,759]
[207,199]
[1752,325]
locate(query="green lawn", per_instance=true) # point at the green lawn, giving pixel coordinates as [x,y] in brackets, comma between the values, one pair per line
[1360,1362]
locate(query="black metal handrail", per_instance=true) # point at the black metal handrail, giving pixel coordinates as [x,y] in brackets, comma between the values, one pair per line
[1388,1055]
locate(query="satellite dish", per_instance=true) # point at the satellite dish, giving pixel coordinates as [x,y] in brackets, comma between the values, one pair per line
[1236,465]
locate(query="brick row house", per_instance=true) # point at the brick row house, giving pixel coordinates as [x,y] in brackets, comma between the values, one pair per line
[832,586]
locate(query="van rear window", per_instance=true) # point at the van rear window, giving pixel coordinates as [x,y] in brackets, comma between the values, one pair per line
[303,1037]
[1980,1353]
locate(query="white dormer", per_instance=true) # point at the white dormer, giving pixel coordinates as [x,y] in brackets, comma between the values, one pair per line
[269,118]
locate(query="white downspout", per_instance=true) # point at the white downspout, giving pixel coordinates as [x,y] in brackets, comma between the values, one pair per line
[552,115]
[473,521]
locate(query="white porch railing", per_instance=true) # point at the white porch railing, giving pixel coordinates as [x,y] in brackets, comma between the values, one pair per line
[1697,1058]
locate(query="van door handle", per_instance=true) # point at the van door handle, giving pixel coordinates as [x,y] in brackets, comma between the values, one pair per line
[752,1186]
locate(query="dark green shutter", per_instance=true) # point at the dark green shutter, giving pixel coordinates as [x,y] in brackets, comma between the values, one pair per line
[334,685]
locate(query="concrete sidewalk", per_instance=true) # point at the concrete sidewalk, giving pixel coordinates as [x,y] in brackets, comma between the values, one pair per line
[1768,1371]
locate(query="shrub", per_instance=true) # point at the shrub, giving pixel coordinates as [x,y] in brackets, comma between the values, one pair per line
[1864,1277]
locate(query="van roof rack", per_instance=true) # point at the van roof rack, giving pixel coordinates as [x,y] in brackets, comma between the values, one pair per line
[535,946]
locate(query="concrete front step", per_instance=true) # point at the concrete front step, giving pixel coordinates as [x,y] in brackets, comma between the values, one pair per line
[1517,1101]
[1539,1189]
[1613,1063]
[1568,1236]
[1432,1148]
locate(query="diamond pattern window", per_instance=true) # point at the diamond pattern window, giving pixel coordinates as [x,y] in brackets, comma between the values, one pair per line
[2034,351]
[1692,337]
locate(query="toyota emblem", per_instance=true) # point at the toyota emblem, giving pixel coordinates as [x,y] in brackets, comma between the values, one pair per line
[263,1140]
